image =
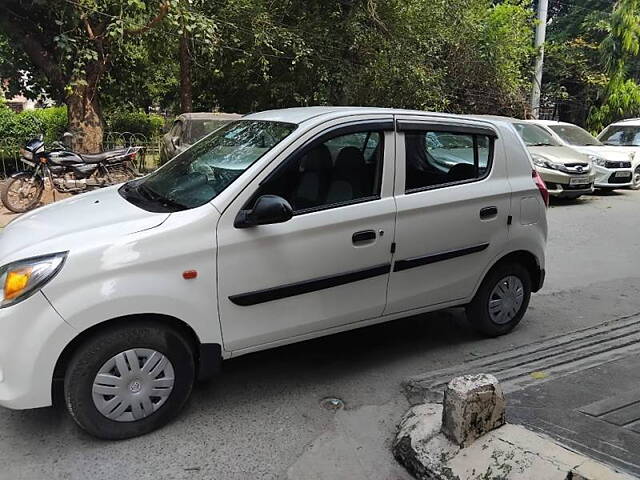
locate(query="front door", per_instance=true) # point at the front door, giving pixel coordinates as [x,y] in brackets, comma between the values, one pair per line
[329,265]
[453,201]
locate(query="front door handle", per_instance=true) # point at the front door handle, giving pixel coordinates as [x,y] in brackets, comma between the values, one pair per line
[365,236]
[488,212]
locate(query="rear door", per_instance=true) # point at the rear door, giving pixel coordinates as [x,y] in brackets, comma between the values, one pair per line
[453,202]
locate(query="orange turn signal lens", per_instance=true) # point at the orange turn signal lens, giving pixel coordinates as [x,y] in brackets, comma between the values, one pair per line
[16,282]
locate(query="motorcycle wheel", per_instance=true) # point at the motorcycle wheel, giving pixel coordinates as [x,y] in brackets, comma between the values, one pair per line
[22,192]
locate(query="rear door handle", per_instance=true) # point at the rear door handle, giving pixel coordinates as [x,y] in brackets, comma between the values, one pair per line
[365,236]
[488,212]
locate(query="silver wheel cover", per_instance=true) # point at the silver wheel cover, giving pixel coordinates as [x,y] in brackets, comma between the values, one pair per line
[133,384]
[506,300]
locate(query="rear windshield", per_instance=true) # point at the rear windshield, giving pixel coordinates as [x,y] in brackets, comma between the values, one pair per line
[200,128]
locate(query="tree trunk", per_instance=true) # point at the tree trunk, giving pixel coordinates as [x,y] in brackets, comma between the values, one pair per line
[85,117]
[186,95]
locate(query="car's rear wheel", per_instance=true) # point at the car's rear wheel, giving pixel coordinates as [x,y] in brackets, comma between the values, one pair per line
[129,380]
[501,300]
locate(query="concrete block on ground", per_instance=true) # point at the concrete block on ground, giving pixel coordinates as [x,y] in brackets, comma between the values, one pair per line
[510,452]
[473,406]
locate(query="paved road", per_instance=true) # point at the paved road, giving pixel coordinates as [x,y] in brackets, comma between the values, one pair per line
[262,418]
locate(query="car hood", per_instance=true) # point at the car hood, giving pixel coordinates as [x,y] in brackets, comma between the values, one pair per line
[618,154]
[559,154]
[75,223]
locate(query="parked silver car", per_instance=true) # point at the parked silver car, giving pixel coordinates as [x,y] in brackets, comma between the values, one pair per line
[188,128]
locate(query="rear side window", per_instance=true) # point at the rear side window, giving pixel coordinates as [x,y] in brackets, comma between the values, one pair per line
[436,159]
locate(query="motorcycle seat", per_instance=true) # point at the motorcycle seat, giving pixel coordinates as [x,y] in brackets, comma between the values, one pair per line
[101,157]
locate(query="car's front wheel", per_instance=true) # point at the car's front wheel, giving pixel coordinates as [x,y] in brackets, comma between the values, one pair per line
[129,380]
[636,179]
[501,300]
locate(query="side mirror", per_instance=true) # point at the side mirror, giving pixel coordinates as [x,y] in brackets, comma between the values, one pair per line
[267,209]
[175,141]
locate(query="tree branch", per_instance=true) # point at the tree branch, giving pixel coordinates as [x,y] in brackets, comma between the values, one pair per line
[37,53]
[164,9]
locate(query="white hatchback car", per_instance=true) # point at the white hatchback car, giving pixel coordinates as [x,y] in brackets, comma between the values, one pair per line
[283,226]
[613,165]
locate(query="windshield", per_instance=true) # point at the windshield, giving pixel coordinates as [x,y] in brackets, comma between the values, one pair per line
[535,136]
[574,135]
[201,172]
[621,135]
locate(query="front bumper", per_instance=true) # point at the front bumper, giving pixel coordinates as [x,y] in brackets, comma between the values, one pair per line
[32,337]
[559,183]
[610,178]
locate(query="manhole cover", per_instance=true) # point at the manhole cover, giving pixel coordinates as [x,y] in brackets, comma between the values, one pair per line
[332,404]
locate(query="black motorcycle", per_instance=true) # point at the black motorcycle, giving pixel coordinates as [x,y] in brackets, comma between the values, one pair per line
[67,172]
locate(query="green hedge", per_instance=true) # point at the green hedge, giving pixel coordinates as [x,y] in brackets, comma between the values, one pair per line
[52,123]
[20,127]
[149,125]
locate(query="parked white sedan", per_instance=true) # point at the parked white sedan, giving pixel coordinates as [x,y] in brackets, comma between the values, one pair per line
[614,166]
[626,136]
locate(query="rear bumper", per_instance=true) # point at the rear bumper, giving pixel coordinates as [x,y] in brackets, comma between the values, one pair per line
[32,337]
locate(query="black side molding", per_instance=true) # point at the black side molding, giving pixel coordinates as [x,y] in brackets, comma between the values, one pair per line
[414,262]
[307,286]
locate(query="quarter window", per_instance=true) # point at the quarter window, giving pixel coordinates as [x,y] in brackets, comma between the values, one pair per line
[435,159]
[342,169]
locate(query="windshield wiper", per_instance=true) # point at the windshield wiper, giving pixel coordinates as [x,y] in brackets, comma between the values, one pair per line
[541,144]
[152,195]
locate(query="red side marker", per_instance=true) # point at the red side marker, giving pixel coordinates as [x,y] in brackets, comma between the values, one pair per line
[189,274]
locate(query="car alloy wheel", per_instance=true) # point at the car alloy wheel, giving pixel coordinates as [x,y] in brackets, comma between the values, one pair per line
[133,384]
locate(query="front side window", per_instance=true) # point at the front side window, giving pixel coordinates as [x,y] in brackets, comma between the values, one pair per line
[535,136]
[440,158]
[200,173]
[574,135]
[621,135]
[340,170]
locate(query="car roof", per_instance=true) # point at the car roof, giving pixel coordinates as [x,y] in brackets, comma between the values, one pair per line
[552,122]
[300,115]
[634,122]
[210,116]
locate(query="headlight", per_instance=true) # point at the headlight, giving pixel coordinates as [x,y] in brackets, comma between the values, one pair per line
[597,160]
[23,278]
[540,161]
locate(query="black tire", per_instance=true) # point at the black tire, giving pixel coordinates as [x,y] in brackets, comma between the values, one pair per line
[18,179]
[636,179]
[98,349]
[478,310]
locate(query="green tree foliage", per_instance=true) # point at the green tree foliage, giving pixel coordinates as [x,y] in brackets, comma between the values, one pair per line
[620,51]
[248,55]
